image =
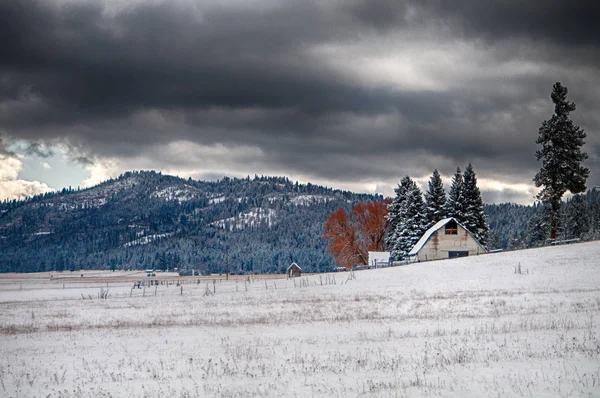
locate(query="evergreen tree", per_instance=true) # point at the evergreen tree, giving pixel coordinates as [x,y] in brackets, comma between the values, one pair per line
[435,199]
[393,216]
[577,218]
[539,226]
[454,204]
[594,200]
[411,220]
[561,156]
[473,217]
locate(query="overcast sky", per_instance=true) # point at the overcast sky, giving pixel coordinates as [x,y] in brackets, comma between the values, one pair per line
[352,94]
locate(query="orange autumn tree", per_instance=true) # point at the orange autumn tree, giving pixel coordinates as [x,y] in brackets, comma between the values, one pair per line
[349,240]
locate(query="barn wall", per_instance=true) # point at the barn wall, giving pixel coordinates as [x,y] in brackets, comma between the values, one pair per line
[439,244]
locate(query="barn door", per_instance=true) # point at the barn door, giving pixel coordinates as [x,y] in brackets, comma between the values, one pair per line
[458,253]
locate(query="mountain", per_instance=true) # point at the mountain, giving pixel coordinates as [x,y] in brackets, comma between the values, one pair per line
[149,220]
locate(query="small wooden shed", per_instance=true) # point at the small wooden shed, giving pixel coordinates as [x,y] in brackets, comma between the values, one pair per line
[446,239]
[293,270]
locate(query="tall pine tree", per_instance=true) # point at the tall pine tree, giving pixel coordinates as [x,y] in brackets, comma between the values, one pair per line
[454,204]
[561,156]
[473,216]
[411,220]
[435,200]
[393,216]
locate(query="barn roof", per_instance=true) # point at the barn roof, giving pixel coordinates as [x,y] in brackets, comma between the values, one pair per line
[415,250]
[292,264]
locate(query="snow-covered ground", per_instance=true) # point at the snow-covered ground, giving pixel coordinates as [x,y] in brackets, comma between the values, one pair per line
[180,194]
[464,327]
[306,200]
[251,218]
[147,239]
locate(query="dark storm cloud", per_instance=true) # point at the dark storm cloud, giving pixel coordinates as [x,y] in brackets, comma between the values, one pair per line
[118,81]
[558,21]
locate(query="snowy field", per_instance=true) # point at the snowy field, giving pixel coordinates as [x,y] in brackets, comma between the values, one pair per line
[464,327]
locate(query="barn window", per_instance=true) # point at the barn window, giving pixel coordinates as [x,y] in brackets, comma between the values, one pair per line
[451,228]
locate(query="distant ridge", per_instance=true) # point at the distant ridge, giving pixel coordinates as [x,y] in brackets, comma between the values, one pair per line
[146,219]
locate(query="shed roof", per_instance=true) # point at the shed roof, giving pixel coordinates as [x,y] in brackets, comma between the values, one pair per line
[419,245]
[292,264]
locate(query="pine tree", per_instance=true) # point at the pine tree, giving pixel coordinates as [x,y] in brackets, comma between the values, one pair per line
[473,217]
[393,216]
[454,204]
[411,220]
[561,156]
[539,226]
[577,218]
[435,199]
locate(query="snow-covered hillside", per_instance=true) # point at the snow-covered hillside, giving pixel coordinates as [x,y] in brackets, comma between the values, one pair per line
[467,327]
[249,219]
[306,200]
[144,240]
[178,193]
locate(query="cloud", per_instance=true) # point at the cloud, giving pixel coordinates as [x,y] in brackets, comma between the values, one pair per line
[356,93]
[11,187]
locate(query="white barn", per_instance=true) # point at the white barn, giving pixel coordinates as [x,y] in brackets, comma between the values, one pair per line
[446,239]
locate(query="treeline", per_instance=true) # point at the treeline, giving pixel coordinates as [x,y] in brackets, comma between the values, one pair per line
[518,227]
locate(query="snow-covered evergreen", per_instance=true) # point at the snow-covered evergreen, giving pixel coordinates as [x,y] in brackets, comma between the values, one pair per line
[454,204]
[473,216]
[539,227]
[435,200]
[576,220]
[411,220]
[561,156]
[393,216]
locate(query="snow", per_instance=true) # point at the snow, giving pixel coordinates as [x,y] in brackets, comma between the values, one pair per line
[466,327]
[307,200]
[180,194]
[216,200]
[251,218]
[147,239]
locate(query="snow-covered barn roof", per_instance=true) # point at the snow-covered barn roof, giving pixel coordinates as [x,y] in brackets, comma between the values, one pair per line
[419,245]
[292,264]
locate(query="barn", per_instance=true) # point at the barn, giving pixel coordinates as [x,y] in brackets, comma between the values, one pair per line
[446,239]
[293,270]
